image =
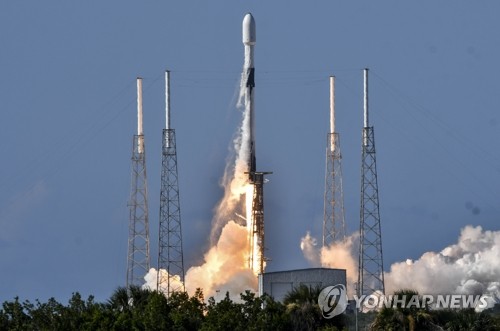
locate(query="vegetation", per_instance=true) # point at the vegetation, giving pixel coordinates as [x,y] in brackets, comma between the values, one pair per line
[139,309]
[305,314]
[423,318]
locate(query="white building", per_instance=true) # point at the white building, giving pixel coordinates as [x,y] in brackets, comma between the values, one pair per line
[277,284]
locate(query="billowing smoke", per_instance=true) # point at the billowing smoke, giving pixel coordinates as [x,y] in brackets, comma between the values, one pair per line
[225,267]
[338,255]
[308,245]
[152,277]
[471,266]
[235,181]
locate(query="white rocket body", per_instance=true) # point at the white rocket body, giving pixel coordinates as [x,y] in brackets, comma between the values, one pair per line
[249,39]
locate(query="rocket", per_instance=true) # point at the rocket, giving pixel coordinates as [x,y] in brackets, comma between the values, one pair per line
[249,81]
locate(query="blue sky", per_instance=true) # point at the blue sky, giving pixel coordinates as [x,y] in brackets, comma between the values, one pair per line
[67,93]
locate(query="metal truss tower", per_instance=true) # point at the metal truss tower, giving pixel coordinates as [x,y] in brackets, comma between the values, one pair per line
[257,259]
[170,255]
[333,217]
[138,262]
[371,270]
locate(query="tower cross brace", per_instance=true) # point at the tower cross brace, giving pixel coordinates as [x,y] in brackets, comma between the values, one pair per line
[371,271]
[170,254]
[257,263]
[138,262]
[333,217]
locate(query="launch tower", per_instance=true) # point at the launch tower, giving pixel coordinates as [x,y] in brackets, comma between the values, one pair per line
[138,262]
[371,271]
[170,255]
[333,217]
[257,260]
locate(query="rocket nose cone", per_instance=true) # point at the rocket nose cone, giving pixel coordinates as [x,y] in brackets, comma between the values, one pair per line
[249,30]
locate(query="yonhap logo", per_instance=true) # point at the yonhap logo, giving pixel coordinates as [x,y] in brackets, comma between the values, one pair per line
[332,300]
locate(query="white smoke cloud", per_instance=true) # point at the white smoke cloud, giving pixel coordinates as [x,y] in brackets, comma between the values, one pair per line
[471,266]
[152,277]
[234,181]
[312,253]
[338,255]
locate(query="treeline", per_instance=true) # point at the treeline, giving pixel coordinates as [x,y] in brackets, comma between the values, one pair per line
[423,317]
[139,309]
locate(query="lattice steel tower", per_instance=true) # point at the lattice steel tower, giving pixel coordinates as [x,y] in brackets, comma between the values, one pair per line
[371,270]
[170,256]
[138,241]
[257,260]
[333,217]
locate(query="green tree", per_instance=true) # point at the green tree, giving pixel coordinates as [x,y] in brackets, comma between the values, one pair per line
[75,313]
[3,320]
[119,300]
[120,309]
[128,307]
[302,294]
[470,320]
[302,308]
[388,319]
[14,315]
[263,313]
[224,315]
[410,313]
[187,313]
[156,313]
[45,316]
[304,312]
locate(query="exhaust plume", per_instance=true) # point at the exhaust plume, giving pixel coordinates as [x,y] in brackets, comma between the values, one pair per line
[225,267]
[471,266]
[235,181]
[312,253]
[338,255]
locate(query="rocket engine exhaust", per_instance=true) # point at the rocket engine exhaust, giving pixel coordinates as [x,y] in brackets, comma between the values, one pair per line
[235,256]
